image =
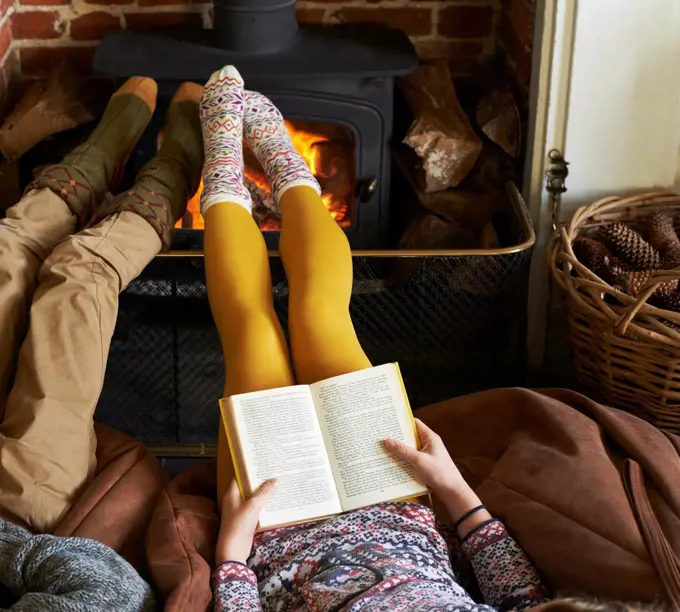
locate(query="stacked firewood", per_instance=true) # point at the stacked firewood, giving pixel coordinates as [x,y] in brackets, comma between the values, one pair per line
[627,257]
[457,156]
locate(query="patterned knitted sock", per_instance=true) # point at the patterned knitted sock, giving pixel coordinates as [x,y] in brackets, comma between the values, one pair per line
[164,186]
[222,124]
[86,174]
[269,140]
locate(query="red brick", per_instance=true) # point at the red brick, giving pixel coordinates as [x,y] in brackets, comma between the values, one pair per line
[442,48]
[461,65]
[519,55]
[36,24]
[107,2]
[8,87]
[162,2]
[462,55]
[4,94]
[94,26]
[5,41]
[44,2]
[414,21]
[310,15]
[5,6]
[520,15]
[143,21]
[466,21]
[36,61]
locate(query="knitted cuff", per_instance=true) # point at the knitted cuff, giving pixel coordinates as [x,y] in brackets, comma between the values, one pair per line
[151,206]
[71,186]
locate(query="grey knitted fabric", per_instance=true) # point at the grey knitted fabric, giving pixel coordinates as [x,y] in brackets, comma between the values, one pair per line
[46,572]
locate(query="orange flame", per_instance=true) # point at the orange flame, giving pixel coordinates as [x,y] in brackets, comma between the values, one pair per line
[305,144]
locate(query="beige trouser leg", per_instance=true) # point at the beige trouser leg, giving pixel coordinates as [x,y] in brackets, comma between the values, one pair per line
[32,228]
[47,442]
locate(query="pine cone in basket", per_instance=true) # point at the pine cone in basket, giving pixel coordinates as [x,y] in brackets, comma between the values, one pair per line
[632,281]
[671,259]
[662,236]
[667,301]
[616,273]
[661,232]
[593,254]
[625,242]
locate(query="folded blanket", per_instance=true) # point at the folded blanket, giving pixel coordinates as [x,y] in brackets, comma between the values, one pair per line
[46,572]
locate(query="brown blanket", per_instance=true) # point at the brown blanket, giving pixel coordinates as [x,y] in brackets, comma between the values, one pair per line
[550,464]
[116,507]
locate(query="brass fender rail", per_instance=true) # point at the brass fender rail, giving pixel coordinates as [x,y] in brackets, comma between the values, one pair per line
[519,207]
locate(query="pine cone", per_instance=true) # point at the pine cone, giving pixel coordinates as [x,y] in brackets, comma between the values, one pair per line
[625,242]
[663,237]
[616,274]
[631,282]
[661,232]
[667,301]
[592,253]
[671,259]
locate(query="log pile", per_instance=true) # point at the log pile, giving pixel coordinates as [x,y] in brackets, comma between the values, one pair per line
[60,103]
[49,119]
[456,165]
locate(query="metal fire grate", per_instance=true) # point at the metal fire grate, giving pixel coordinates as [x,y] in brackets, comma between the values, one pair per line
[454,322]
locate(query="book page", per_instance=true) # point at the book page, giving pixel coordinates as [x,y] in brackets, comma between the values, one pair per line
[357,412]
[280,438]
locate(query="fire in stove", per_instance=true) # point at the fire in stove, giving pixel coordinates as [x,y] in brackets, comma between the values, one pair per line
[328,149]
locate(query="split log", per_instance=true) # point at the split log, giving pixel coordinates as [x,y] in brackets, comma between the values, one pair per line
[10,187]
[428,232]
[441,133]
[47,107]
[489,238]
[472,208]
[498,117]
[432,232]
[262,198]
[494,168]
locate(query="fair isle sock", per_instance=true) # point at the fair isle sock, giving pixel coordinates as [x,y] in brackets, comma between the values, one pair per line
[269,140]
[222,123]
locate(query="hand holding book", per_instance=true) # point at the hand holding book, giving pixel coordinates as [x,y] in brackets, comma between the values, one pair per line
[431,464]
[434,467]
[239,520]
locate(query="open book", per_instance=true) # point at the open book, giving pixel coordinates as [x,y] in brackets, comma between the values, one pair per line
[323,442]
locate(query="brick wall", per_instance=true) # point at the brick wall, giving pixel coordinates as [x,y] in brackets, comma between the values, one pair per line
[44,32]
[6,57]
[516,31]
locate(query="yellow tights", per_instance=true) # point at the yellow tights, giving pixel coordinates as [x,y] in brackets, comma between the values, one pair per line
[318,264]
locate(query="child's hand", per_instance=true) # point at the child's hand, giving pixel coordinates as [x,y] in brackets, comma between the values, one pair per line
[434,467]
[239,522]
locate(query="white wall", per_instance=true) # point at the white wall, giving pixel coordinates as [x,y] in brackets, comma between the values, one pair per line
[623,115]
[606,92]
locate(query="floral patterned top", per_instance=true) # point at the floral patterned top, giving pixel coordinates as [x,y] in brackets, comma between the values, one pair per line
[388,557]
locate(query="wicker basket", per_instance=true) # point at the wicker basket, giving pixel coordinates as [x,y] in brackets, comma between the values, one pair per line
[626,351]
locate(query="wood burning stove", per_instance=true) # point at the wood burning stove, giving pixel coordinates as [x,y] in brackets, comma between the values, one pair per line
[334,85]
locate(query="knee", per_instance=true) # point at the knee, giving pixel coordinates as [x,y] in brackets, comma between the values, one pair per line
[77,259]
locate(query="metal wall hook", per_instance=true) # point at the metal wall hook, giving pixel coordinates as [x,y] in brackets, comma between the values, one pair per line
[556,176]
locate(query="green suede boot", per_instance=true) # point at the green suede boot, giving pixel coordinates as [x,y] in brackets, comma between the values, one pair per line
[165,185]
[85,175]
